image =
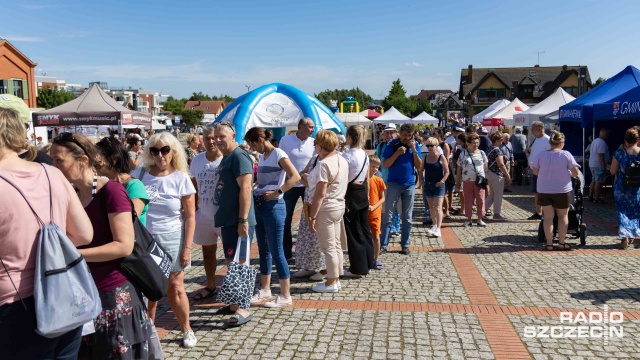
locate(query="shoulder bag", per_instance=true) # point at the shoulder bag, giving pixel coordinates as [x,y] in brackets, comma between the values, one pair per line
[240,281]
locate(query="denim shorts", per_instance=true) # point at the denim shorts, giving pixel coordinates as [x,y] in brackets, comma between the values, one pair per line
[173,243]
[430,190]
[598,178]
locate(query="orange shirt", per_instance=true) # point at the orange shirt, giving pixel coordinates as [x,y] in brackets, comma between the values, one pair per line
[376,188]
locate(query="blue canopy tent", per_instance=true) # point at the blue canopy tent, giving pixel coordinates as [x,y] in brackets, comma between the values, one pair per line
[618,115]
[277,106]
[577,117]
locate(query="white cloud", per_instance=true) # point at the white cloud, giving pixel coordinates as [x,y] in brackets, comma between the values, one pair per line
[413,64]
[23,38]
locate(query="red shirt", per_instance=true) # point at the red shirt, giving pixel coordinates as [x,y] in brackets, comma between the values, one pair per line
[111,198]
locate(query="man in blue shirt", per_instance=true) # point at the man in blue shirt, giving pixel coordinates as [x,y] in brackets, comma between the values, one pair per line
[402,158]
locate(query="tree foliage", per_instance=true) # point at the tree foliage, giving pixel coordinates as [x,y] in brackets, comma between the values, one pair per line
[49,97]
[600,81]
[398,98]
[174,105]
[341,95]
[177,105]
[192,117]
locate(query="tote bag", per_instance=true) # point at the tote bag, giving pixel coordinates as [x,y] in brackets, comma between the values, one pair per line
[149,265]
[240,281]
[64,293]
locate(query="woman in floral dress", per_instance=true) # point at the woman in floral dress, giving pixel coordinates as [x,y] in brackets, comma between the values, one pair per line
[627,199]
[309,258]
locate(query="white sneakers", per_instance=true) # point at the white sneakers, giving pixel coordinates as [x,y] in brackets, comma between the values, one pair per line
[280,301]
[323,288]
[435,231]
[189,339]
[317,277]
[261,295]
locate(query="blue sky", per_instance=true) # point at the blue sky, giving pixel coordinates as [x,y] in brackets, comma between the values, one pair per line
[219,47]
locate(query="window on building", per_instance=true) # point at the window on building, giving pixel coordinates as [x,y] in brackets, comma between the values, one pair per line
[206,108]
[17,88]
[526,91]
[571,90]
[3,87]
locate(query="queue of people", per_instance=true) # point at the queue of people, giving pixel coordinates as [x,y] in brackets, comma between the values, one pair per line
[184,197]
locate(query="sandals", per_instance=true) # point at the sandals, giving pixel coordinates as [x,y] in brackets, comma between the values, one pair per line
[378,265]
[206,294]
[447,217]
[225,310]
[564,247]
[240,320]
[549,247]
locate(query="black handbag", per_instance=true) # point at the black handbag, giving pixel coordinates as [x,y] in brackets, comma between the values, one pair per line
[149,265]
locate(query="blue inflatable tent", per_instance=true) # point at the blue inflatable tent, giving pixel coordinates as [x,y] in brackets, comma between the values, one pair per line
[277,106]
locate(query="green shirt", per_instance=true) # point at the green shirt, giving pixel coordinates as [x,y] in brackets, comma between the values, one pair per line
[227,192]
[135,190]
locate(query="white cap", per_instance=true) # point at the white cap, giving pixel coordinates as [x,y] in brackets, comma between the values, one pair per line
[390,126]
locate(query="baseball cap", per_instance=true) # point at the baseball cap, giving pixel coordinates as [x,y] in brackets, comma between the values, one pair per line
[518,129]
[457,128]
[9,101]
[484,130]
[390,126]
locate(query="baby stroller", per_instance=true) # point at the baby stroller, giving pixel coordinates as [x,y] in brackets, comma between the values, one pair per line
[576,226]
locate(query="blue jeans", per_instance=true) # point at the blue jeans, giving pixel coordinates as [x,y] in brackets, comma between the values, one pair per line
[270,218]
[396,192]
[290,197]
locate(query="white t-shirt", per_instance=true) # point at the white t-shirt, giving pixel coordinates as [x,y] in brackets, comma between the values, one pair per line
[165,195]
[357,160]
[299,151]
[270,175]
[206,174]
[451,141]
[598,146]
[539,145]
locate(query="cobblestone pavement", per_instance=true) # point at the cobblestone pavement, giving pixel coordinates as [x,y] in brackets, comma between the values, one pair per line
[476,293]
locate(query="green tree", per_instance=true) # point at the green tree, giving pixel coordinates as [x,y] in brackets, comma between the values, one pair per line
[200,96]
[49,97]
[600,81]
[341,95]
[224,97]
[174,105]
[192,117]
[398,98]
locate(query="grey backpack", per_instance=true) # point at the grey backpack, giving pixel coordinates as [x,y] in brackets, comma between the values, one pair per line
[64,292]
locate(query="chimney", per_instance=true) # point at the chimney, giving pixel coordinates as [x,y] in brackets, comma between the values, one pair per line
[564,67]
[470,74]
[536,65]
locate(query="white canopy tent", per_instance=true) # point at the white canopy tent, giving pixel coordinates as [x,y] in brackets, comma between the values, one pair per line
[392,116]
[546,106]
[493,108]
[424,118]
[349,119]
[505,115]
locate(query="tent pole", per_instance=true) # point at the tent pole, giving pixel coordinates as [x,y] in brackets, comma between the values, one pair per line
[584,154]
[120,127]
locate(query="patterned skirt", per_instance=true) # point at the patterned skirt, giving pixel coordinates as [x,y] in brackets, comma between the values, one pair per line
[308,254]
[123,327]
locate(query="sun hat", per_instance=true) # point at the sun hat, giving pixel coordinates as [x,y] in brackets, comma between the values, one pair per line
[390,126]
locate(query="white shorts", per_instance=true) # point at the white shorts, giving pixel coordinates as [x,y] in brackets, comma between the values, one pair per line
[206,234]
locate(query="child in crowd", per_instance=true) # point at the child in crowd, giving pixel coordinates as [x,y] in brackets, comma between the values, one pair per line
[376,199]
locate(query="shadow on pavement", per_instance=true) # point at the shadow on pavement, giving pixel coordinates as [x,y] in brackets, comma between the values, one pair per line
[600,297]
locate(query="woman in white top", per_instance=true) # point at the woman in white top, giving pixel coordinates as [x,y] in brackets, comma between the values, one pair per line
[328,184]
[170,217]
[356,216]
[270,210]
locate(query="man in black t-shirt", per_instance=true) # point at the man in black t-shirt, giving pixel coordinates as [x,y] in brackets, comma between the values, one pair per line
[41,157]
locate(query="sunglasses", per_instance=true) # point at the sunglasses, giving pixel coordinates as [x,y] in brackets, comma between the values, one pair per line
[68,137]
[430,145]
[164,150]
[228,125]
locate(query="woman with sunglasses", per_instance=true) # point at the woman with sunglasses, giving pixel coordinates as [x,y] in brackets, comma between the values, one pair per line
[171,217]
[435,173]
[471,164]
[276,174]
[447,201]
[124,317]
[19,237]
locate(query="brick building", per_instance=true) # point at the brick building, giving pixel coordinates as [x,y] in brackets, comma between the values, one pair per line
[17,74]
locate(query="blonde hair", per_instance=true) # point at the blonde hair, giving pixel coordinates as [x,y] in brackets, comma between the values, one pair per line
[374,160]
[432,141]
[179,159]
[356,133]
[556,138]
[190,138]
[13,134]
[327,140]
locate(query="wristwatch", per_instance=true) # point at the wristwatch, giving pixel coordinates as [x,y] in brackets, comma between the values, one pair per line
[280,191]
[242,221]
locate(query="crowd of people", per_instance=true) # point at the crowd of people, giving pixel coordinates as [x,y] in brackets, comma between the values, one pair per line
[216,190]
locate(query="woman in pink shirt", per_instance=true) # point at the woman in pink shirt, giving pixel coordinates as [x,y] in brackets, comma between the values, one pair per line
[18,241]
